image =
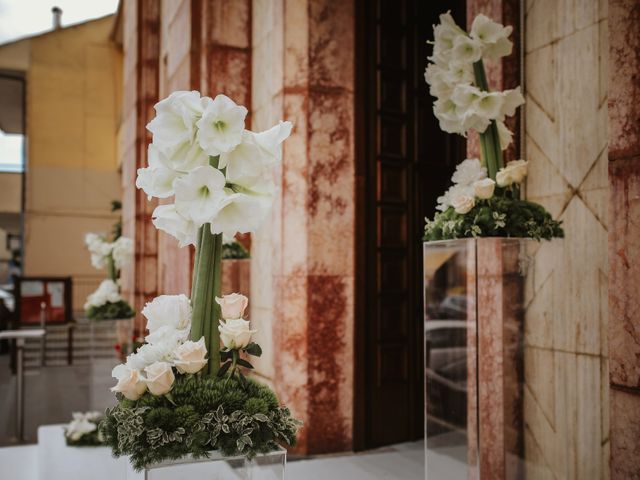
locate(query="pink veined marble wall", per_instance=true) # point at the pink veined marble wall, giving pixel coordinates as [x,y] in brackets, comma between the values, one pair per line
[302,272]
[624,237]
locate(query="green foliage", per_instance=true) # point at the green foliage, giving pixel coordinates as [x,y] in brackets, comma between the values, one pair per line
[200,414]
[91,439]
[111,311]
[500,216]
[234,250]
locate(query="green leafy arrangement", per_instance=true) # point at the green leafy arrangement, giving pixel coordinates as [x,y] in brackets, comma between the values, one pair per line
[234,251]
[495,217]
[201,414]
[93,439]
[84,431]
[110,311]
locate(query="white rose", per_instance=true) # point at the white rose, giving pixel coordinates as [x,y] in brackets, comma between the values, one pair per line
[170,310]
[484,188]
[463,203]
[130,382]
[232,305]
[167,219]
[221,126]
[190,357]
[148,354]
[454,191]
[513,172]
[235,334]
[160,378]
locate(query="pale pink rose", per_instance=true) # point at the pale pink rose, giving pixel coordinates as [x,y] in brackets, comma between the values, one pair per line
[235,333]
[159,378]
[130,382]
[232,305]
[190,357]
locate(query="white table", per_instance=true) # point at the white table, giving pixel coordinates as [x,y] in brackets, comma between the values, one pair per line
[20,336]
[57,461]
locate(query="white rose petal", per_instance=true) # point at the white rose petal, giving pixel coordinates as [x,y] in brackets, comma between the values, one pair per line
[130,382]
[513,172]
[191,357]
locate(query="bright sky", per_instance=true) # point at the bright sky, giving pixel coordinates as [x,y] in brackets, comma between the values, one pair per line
[22,18]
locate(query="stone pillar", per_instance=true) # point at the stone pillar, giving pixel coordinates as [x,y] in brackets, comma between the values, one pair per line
[303,72]
[140,30]
[624,237]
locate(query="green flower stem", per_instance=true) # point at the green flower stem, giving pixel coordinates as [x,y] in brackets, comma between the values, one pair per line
[205,287]
[111,268]
[490,149]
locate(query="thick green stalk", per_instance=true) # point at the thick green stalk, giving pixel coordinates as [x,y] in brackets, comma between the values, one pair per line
[490,149]
[111,268]
[205,287]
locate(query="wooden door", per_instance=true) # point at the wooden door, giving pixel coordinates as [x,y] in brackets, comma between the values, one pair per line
[405,163]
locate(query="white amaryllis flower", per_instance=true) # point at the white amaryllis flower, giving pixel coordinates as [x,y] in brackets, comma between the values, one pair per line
[168,310]
[469,171]
[167,219]
[200,195]
[465,50]
[512,99]
[175,120]
[235,334]
[484,188]
[183,158]
[221,126]
[513,172]
[489,105]
[130,382]
[493,36]
[505,135]
[122,252]
[242,212]
[108,291]
[448,115]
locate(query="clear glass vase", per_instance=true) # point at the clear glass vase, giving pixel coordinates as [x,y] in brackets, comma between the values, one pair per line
[268,466]
[474,292]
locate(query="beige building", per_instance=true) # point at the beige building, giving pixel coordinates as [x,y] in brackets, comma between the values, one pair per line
[71,106]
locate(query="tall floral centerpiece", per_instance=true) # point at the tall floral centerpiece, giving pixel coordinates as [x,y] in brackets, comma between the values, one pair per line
[485,198]
[183,392]
[106,303]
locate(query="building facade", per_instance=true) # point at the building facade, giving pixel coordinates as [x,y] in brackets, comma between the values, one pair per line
[335,274]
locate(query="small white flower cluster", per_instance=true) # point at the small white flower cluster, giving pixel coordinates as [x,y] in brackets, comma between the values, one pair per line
[82,424]
[462,106]
[108,291]
[470,182]
[233,196]
[166,346]
[121,250]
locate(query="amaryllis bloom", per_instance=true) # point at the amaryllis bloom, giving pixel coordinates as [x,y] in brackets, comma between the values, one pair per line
[235,334]
[122,252]
[465,50]
[232,305]
[200,195]
[167,219]
[175,120]
[242,212]
[221,126]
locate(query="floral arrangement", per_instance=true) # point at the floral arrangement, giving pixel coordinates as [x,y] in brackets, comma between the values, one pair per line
[183,392]
[83,430]
[234,251]
[484,199]
[106,302]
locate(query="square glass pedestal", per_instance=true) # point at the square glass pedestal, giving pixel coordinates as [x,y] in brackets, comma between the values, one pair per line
[269,466]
